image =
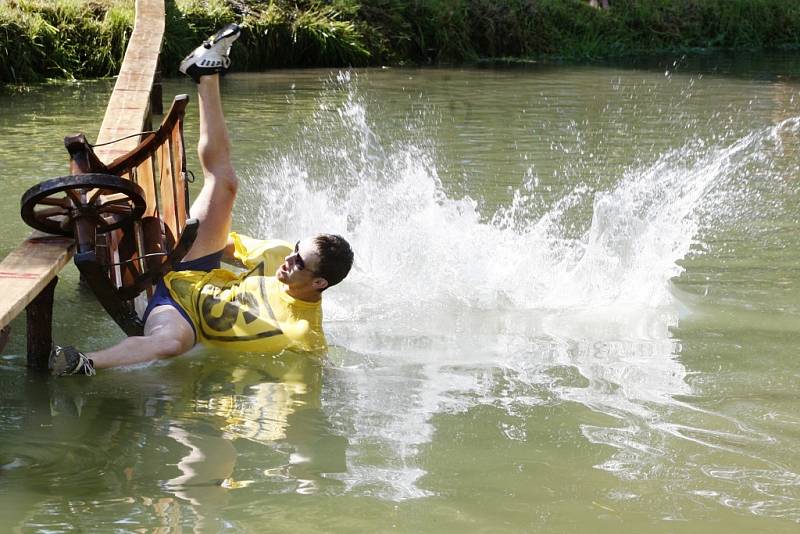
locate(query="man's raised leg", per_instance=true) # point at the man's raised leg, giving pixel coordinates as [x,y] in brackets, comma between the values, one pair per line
[214,204]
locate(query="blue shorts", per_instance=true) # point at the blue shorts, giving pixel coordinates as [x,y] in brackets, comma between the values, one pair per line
[161,296]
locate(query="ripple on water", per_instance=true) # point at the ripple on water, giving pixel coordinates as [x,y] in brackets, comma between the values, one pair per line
[53,466]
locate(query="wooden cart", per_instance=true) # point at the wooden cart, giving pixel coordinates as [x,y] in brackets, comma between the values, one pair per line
[121,211]
[128,218]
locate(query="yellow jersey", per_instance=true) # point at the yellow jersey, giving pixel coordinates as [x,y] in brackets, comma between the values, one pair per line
[249,311]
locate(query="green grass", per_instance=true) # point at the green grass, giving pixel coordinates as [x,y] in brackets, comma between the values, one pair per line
[86,38]
[62,38]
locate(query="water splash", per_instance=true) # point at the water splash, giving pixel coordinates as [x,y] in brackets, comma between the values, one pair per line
[435,278]
[416,246]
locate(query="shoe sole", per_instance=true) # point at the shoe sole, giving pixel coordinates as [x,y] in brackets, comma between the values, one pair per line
[231,30]
[228,31]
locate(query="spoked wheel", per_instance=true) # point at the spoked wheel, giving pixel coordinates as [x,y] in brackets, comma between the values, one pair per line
[108,200]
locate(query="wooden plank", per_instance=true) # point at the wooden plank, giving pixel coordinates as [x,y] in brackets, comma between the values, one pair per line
[130,113]
[146,180]
[133,81]
[129,106]
[128,110]
[30,268]
[128,102]
[169,213]
[180,177]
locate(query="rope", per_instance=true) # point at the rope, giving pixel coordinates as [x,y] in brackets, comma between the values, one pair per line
[151,255]
[122,138]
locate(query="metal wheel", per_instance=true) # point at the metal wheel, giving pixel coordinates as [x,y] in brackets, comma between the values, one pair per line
[108,200]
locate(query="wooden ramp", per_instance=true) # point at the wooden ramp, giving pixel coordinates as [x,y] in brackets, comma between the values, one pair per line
[128,110]
[29,273]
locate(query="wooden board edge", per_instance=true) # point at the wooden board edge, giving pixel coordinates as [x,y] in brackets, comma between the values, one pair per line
[60,249]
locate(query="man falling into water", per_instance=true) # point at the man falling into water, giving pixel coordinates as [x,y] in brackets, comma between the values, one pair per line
[275,304]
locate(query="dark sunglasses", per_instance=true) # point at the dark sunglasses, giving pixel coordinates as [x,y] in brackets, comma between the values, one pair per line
[298,259]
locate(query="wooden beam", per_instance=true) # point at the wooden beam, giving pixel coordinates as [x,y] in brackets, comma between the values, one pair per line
[5,333]
[40,327]
[128,108]
[29,269]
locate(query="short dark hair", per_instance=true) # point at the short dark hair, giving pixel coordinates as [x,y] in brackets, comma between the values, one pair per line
[335,257]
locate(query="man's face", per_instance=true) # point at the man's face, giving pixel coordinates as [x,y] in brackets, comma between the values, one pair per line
[298,270]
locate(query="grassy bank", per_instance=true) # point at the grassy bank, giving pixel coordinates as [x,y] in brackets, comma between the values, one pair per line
[86,38]
[60,38]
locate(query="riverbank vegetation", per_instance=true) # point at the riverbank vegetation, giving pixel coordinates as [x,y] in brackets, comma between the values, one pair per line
[86,38]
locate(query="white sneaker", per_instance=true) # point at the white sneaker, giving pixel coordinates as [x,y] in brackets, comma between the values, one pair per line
[212,56]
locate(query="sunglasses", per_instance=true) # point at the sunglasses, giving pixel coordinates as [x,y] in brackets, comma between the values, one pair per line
[298,259]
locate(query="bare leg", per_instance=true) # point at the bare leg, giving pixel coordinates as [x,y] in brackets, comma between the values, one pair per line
[166,334]
[214,204]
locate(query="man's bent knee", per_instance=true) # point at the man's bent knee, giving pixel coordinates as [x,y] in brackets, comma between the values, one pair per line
[169,331]
[169,347]
[223,179]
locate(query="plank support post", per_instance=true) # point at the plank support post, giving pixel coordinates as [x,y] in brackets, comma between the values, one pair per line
[40,327]
[156,93]
[5,333]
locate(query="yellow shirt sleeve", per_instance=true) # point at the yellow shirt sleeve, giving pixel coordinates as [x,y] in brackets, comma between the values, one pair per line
[252,251]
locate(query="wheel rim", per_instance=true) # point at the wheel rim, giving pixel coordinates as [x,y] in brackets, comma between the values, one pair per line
[110,201]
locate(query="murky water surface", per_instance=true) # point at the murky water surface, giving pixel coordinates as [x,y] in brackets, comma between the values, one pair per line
[575,307]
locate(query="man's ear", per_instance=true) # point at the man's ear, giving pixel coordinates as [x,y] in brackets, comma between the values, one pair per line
[319,283]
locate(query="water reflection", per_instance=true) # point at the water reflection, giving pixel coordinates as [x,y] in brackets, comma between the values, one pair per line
[274,401]
[620,363]
[197,428]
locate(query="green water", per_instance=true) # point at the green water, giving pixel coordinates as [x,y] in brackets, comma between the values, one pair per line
[575,307]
